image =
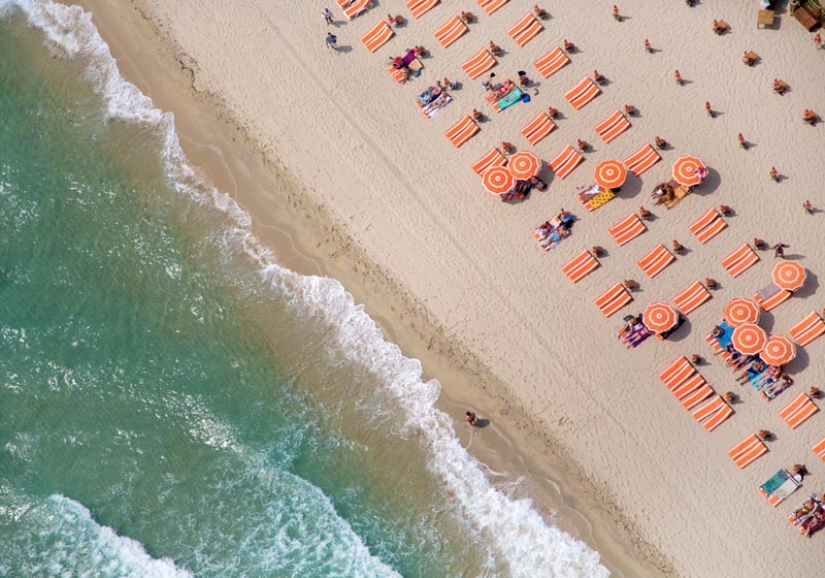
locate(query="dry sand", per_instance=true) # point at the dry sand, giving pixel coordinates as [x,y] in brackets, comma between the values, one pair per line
[405,196]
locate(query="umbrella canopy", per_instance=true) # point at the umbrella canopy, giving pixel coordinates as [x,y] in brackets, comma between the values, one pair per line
[659,317]
[741,310]
[789,275]
[684,171]
[610,174]
[524,165]
[779,350]
[498,180]
[749,339]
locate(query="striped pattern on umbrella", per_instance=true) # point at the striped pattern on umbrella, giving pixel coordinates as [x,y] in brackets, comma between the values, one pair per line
[789,275]
[684,170]
[741,310]
[524,165]
[749,339]
[610,174]
[498,180]
[659,317]
[779,350]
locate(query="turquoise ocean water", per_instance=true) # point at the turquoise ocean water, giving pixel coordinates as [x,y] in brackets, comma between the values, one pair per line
[175,403]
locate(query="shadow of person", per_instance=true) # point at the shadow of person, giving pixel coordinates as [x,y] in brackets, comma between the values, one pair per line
[481,422]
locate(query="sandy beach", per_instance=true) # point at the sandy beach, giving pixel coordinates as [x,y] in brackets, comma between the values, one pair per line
[384,202]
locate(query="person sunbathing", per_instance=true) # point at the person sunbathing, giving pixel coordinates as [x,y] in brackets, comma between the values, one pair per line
[538,184]
[659,142]
[554,237]
[448,83]
[717,332]
[809,117]
[779,86]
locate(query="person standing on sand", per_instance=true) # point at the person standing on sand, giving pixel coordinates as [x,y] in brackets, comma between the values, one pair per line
[779,249]
[809,208]
[328,17]
[471,417]
[332,41]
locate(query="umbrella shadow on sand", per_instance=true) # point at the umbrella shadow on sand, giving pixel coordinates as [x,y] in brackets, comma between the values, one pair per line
[710,184]
[810,286]
[798,363]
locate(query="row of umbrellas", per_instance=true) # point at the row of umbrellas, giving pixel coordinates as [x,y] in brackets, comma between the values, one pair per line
[609,174]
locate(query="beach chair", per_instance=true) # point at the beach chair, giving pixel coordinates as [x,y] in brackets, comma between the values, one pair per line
[582,93]
[490,6]
[538,128]
[627,229]
[565,162]
[642,159]
[713,414]
[778,487]
[420,7]
[808,329]
[656,260]
[798,411]
[708,226]
[462,131]
[819,449]
[691,297]
[580,266]
[525,29]
[774,301]
[747,451]
[612,126]
[481,62]
[613,299]
[740,260]
[451,31]
[492,159]
[355,8]
[552,62]
[677,373]
[378,36]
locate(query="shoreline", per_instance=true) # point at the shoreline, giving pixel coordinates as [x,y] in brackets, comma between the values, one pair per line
[402,320]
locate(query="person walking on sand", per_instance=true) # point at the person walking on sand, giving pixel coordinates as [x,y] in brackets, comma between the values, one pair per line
[328,17]
[742,142]
[809,208]
[708,109]
[779,250]
[775,174]
[818,40]
[678,77]
[332,41]
[648,48]
[470,416]
[615,11]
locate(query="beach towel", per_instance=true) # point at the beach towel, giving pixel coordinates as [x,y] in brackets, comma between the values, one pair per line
[688,386]
[492,159]
[434,107]
[552,62]
[479,63]
[490,6]
[677,373]
[580,266]
[582,93]
[505,101]
[691,297]
[740,260]
[356,8]
[637,336]
[420,7]
[778,487]
[451,31]
[713,414]
[798,411]
[708,226]
[594,197]
[565,162]
[627,229]
[747,451]
[462,131]
[538,128]
[809,329]
[612,126]
[772,390]
[697,396]
[819,449]
[656,260]
[399,75]
[771,297]
[642,159]
[613,299]
[525,29]
[377,36]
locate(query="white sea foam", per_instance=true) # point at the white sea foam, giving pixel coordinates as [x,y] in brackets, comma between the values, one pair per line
[518,535]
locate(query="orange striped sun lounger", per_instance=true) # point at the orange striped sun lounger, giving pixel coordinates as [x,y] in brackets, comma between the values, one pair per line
[691,298]
[747,451]
[582,93]
[525,29]
[642,159]
[717,349]
[689,385]
[492,159]
[808,329]
[740,260]
[627,229]
[708,226]
[400,76]
[612,126]
[655,262]
[490,6]
[691,399]
[713,414]
[552,62]
[581,266]
[538,128]
[451,31]
[420,7]
[378,36]
[613,299]
[355,8]
[799,410]
[565,162]
[677,373]
[462,131]
[480,63]
[774,300]
[819,449]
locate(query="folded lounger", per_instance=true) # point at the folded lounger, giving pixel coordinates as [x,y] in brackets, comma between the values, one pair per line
[642,159]
[740,260]
[627,229]
[580,266]
[538,128]
[378,36]
[565,162]
[778,487]
[355,8]
[656,260]
[481,62]
[451,31]
[613,299]
[798,411]
[819,449]
[462,131]
[747,451]
[808,329]
[582,93]
[774,301]
[612,126]
[677,373]
[490,6]
[708,226]
[492,159]
[713,414]
[420,7]
[552,62]
[525,29]
[691,298]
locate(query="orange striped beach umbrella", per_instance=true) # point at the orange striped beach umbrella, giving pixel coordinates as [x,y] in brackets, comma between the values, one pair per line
[779,350]
[659,317]
[789,275]
[610,174]
[684,170]
[524,165]
[749,339]
[498,180]
[741,310]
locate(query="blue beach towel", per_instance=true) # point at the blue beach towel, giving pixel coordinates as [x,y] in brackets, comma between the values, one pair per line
[510,99]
